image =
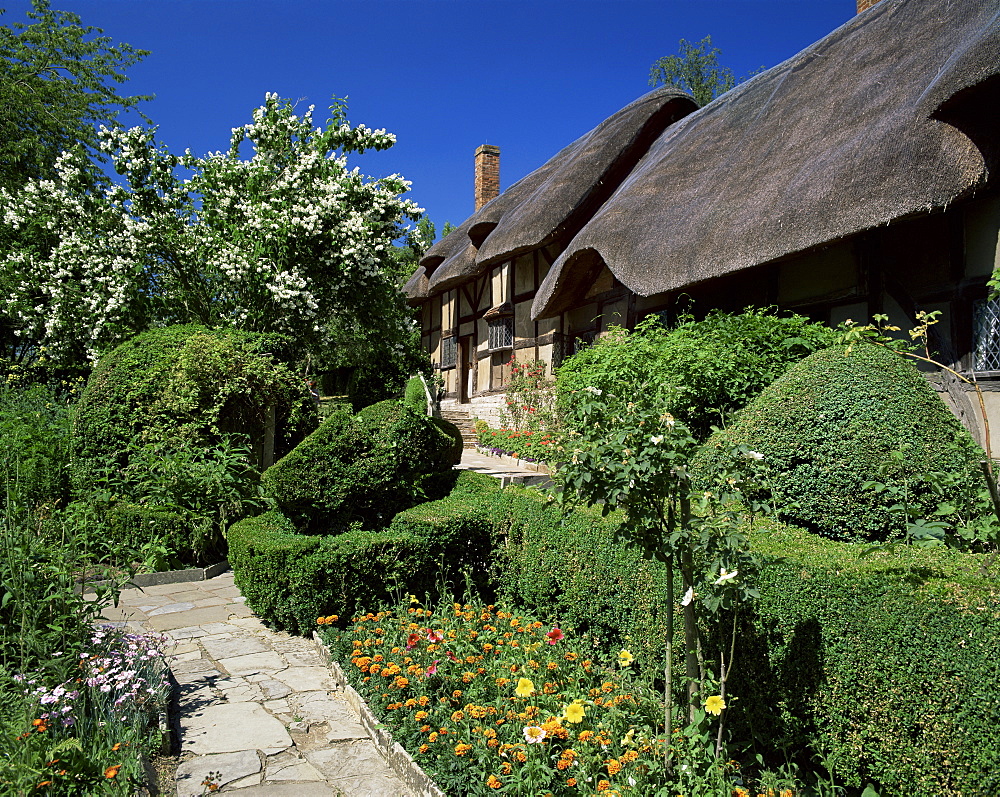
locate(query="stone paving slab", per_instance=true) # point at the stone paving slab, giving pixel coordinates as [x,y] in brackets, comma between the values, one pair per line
[259,714]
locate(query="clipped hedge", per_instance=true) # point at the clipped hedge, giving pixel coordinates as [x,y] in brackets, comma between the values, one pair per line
[887,664]
[362,470]
[290,579]
[832,422]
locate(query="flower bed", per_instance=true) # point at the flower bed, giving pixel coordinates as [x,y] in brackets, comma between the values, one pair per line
[531,446]
[86,734]
[491,702]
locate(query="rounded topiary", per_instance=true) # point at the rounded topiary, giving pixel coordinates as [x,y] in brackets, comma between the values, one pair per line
[455,434]
[362,469]
[833,422]
[189,383]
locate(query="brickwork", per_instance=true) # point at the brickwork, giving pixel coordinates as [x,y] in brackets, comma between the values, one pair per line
[487,174]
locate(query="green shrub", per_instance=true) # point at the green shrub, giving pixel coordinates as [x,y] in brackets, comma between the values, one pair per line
[187,383]
[886,664]
[290,579]
[34,446]
[457,441]
[414,396]
[362,470]
[833,423]
[700,371]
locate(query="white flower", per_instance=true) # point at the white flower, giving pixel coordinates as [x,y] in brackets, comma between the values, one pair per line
[533,734]
[725,575]
[595,390]
[753,455]
[688,597]
[656,439]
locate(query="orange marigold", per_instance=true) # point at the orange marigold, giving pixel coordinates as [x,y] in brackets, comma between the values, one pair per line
[462,748]
[494,782]
[112,772]
[614,767]
[603,785]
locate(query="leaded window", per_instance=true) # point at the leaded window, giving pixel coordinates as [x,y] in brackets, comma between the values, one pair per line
[986,341]
[449,352]
[501,333]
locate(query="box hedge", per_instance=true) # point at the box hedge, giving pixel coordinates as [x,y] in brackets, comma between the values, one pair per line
[833,422]
[290,579]
[886,664]
[362,470]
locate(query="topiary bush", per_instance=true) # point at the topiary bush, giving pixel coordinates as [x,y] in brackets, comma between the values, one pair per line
[700,371]
[414,396]
[836,421]
[362,470]
[290,579]
[187,383]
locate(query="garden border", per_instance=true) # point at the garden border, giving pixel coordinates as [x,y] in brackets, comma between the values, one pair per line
[166,577]
[523,464]
[401,762]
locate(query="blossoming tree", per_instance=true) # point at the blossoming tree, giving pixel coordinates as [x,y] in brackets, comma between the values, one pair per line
[286,238]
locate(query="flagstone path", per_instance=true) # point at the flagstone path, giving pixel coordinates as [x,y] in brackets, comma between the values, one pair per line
[257,710]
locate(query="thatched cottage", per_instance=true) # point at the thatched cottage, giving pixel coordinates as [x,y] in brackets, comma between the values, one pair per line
[858,177]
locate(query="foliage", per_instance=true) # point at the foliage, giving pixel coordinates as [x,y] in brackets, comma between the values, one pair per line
[34,445]
[181,497]
[57,84]
[698,371]
[290,240]
[289,578]
[415,243]
[885,662]
[832,423]
[455,435]
[695,70]
[361,470]
[414,396]
[487,700]
[176,388]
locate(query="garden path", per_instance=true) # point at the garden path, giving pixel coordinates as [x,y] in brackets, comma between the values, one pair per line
[257,710]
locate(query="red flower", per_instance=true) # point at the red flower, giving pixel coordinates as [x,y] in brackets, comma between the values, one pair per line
[555,635]
[412,640]
[451,655]
[434,636]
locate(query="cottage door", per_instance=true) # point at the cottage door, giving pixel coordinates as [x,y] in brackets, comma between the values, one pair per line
[467,369]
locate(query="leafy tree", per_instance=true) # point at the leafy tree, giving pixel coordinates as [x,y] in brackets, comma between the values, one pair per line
[58,82]
[288,240]
[695,69]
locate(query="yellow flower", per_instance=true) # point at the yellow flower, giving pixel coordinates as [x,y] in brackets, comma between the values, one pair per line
[525,688]
[715,704]
[625,658]
[574,712]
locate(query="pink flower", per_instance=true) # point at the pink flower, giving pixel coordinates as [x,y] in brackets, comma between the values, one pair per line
[433,668]
[555,635]
[434,636]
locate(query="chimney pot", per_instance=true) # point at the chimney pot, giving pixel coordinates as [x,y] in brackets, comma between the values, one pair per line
[487,174]
[864,5]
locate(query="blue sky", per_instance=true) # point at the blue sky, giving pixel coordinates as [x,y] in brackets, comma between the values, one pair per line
[443,75]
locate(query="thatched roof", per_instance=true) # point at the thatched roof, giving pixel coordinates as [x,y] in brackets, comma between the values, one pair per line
[851,133]
[558,197]
[415,290]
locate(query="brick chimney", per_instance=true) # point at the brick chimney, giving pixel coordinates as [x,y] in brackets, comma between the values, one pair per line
[864,5]
[488,173]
